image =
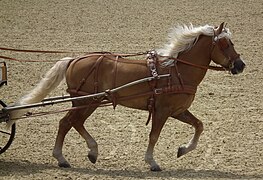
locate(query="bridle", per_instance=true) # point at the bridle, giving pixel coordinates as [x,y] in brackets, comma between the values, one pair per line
[224,47]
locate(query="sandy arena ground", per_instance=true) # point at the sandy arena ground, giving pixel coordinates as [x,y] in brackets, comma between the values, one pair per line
[231,146]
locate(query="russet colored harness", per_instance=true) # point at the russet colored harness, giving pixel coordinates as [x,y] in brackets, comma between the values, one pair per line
[152,61]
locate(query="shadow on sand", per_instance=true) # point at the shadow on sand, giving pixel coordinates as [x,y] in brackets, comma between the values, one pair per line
[25,168]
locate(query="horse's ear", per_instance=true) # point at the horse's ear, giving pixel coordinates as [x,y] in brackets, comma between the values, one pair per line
[219,29]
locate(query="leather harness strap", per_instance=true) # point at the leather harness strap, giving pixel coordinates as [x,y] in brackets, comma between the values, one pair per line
[95,68]
[151,63]
[113,98]
[38,51]
[216,68]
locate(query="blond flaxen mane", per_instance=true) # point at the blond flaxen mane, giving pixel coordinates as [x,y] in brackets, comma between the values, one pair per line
[183,37]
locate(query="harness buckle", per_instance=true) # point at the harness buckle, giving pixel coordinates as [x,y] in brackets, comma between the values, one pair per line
[158,91]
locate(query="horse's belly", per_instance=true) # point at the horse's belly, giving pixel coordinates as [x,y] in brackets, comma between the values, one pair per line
[171,104]
[135,103]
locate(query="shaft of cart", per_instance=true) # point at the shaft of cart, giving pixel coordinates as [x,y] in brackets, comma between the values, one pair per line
[62,99]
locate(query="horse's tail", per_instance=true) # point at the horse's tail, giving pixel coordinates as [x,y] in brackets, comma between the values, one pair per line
[50,81]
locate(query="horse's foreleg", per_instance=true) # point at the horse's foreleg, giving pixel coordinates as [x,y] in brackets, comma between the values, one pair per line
[189,118]
[157,125]
[64,127]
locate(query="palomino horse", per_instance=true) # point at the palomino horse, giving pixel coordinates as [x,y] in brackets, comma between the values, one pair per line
[186,58]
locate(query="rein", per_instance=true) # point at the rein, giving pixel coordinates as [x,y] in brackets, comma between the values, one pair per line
[38,51]
[216,68]
[20,60]
[60,52]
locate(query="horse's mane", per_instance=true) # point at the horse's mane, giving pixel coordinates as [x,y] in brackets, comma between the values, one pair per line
[183,37]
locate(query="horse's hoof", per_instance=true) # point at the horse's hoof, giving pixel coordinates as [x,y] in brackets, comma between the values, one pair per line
[64,165]
[92,158]
[180,152]
[156,168]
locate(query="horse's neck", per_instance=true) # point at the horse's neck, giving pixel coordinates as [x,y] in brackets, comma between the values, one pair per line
[200,55]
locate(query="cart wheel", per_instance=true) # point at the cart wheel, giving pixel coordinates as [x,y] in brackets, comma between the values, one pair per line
[7,137]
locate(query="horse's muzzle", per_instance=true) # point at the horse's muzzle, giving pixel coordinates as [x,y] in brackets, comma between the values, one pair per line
[238,67]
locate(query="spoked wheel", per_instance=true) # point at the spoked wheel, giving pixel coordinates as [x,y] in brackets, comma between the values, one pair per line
[6,137]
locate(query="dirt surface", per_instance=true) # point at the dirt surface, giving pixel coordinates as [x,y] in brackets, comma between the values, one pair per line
[230,107]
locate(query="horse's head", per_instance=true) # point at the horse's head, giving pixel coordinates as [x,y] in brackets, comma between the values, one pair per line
[224,53]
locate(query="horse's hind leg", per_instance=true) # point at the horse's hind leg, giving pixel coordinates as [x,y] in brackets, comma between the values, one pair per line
[189,118]
[64,127]
[74,118]
[92,144]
